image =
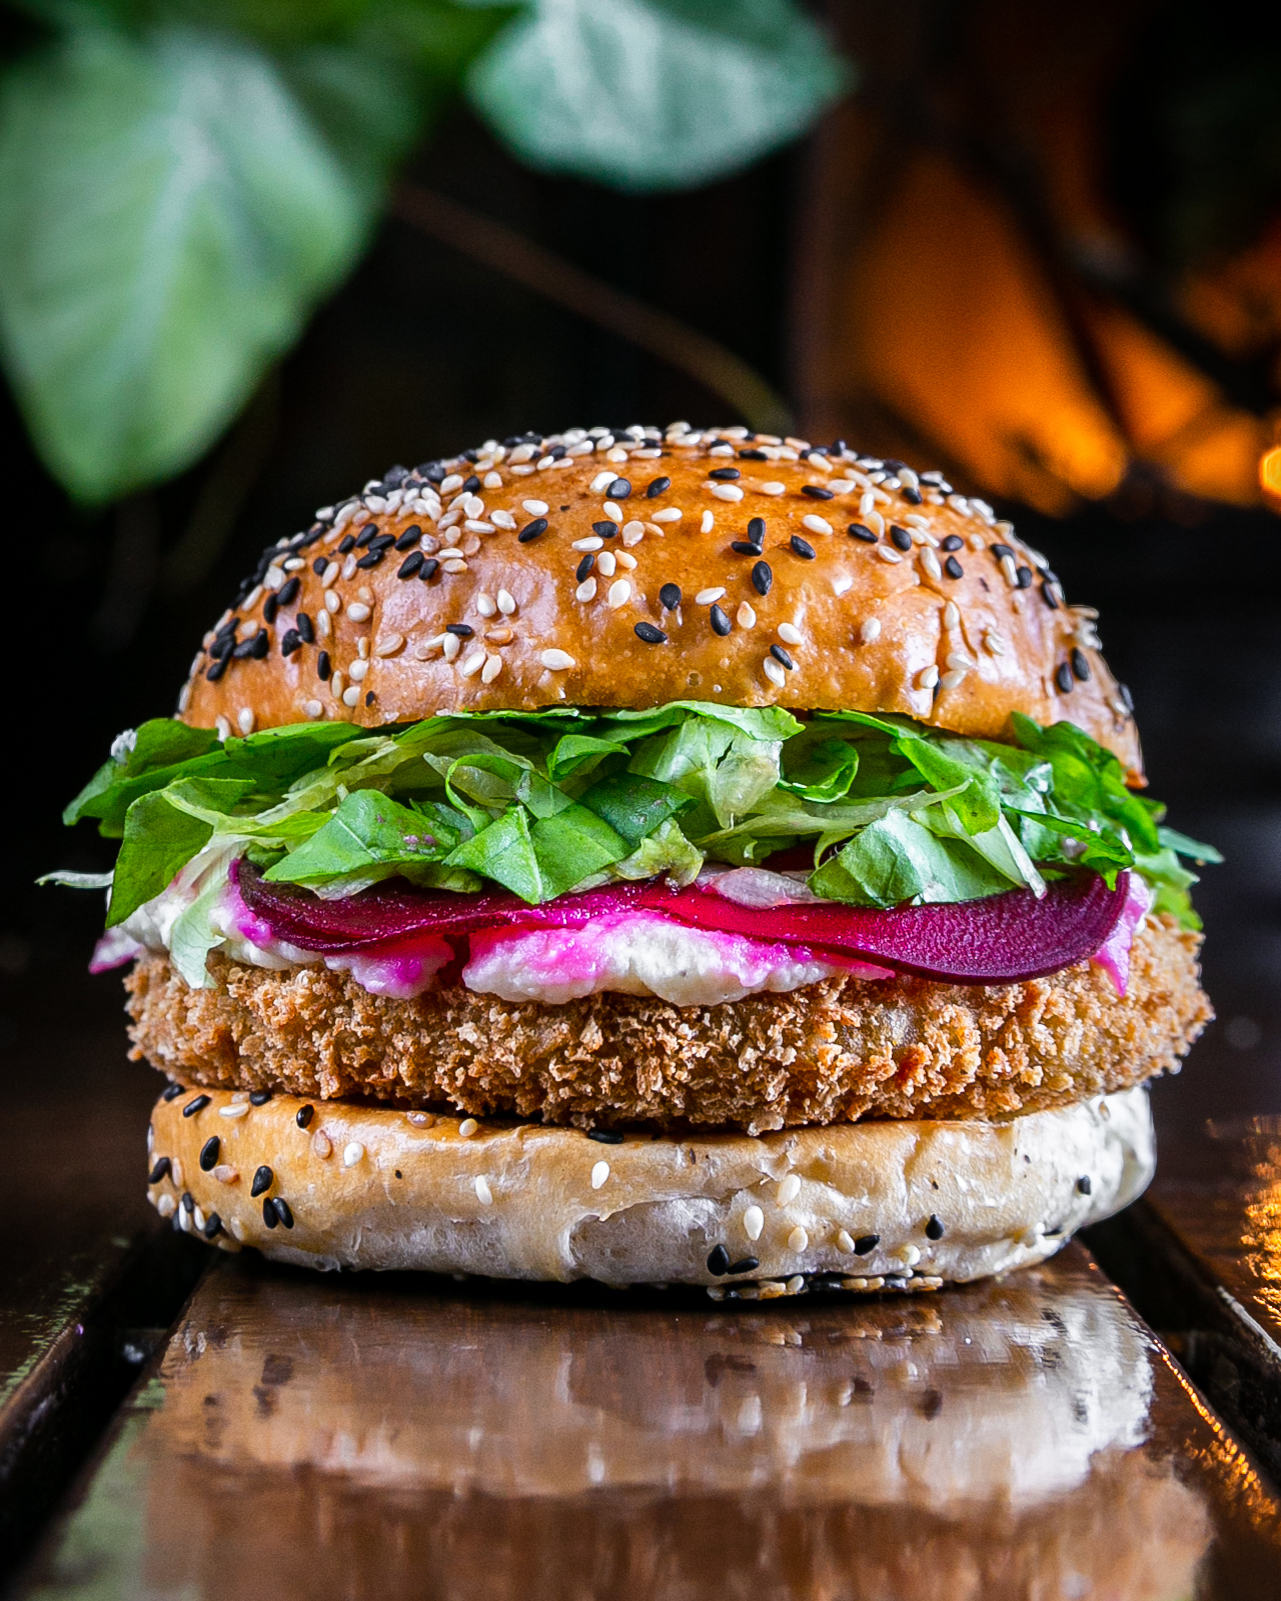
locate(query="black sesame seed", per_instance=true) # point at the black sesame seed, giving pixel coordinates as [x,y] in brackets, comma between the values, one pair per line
[173,1092]
[1084,1184]
[952,542]
[291,640]
[1080,667]
[817,492]
[222,646]
[953,568]
[198,1105]
[1049,597]
[866,1243]
[305,1115]
[263,1180]
[260,645]
[670,596]
[188,1201]
[605,1136]
[161,1170]
[718,1261]
[802,548]
[1023,577]
[762,577]
[585,566]
[209,1153]
[619,489]
[371,558]
[650,634]
[270,606]
[284,1213]
[912,496]
[411,564]
[780,655]
[756,530]
[319,565]
[289,591]
[306,628]
[433,471]
[383,542]
[745,1264]
[1127,699]
[655,489]
[1063,678]
[395,476]
[472,484]
[606,530]
[725,474]
[409,538]
[752,455]
[367,534]
[346,543]
[720,621]
[269,1213]
[934,1228]
[370,697]
[323,667]
[1000,551]
[259,1097]
[900,538]
[463,630]
[428,570]
[532,530]
[744,547]
[857,531]
[213,1226]
[217,670]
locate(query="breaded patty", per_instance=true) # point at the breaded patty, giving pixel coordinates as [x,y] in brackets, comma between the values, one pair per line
[832,1052]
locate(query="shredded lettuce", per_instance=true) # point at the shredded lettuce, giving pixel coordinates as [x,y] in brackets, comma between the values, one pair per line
[887,811]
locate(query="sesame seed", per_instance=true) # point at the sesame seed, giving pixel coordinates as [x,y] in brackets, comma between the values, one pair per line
[283,1211]
[620,592]
[708,523]
[161,1170]
[1080,666]
[789,1188]
[953,678]
[532,530]
[953,568]
[467,1128]
[263,1179]
[930,564]
[359,612]
[1063,678]
[483,1192]
[592,542]
[782,657]
[753,1222]
[720,621]
[802,548]
[586,590]
[745,617]
[173,1091]
[744,547]
[490,671]
[485,604]
[352,1153]
[816,524]
[472,664]
[817,492]
[613,512]
[773,672]
[773,487]
[886,554]
[1084,1184]
[669,514]
[718,1261]
[650,634]
[727,492]
[902,540]
[857,531]
[455,566]
[600,480]
[705,597]
[321,1145]
[844,1242]
[656,487]
[557,661]
[953,542]
[620,489]
[866,1243]
[198,1105]
[607,563]
[798,1240]
[790,634]
[934,1228]
[600,1174]
[411,565]
[242,1110]
[927,677]
[1023,577]
[506,603]
[350,695]
[762,577]
[305,1115]
[209,1153]
[725,474]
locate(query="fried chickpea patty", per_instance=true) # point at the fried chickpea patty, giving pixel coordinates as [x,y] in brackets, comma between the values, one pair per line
[833,1052]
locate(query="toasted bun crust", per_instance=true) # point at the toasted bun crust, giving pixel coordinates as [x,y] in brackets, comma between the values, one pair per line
[865,625]
[366,1187]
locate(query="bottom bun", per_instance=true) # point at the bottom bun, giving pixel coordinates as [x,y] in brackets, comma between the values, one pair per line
[892,1205]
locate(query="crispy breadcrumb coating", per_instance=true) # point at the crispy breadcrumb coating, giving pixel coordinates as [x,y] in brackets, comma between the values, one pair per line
[836,1051]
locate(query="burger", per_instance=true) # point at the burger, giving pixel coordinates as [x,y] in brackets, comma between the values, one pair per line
[658,857]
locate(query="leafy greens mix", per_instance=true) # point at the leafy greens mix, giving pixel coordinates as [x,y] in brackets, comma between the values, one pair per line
[888,811]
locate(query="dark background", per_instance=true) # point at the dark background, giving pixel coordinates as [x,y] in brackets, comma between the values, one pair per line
[425,352]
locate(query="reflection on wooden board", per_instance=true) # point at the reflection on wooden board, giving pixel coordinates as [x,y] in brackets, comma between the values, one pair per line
[387,1438]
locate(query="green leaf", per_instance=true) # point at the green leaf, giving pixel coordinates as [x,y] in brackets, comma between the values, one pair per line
[634,806]
[823,772]
[369,836]
[655,94]
[193,936]
[573,846]
[579,753]
[1193,849]
[505,853]
[156,752]
[761,722]
[896,861]
[169,215]
[159,841]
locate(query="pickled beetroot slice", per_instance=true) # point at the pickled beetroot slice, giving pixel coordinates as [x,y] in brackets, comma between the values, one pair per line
[1000,940]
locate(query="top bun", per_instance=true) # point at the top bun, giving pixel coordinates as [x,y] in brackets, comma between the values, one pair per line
[586,569]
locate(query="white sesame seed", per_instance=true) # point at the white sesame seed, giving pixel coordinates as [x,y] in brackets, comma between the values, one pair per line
[788,1189]
[886,554]
[601,481]
[502,519]
[950,680]
[350,696]
[606,563]
[473,663]
[870,630]
[321,1145]
[927,677]
[600,1174]
[540,508]
[620,592]
[333,602]
[790,634]
[184,697]
[490,671]
[707,523]
[745,617]
[592,542]
[485,604]
[467,1128]
[474,506]
[816,524]
[798,1240]
[930,564]
[483,1192]
[1010,571]
[669,514]
[951,615]
[451,553]
[165,1205]
[293,564]
[349,566]
[330,574]
[389,644]
[420,1119]
[197,1218]
[356,672]
[245,720]
[337,684]
[476,527]
[753,1222]
[977,542]
[774,672]
[506,602]
[706,597]
[454,565]
[313,709]
[586,590]
[557,661]
[240,1110]
[613,511]
[451,645]
[773,487]
[352,1153]
[274,578]
[545,462]
[844,1242]
[359,612]
[959,659]
[915,520]
[727,492]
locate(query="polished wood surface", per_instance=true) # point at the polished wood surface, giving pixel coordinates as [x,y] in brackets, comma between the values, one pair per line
[386,1437]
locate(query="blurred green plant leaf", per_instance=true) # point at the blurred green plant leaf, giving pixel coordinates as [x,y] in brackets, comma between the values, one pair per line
[654,94]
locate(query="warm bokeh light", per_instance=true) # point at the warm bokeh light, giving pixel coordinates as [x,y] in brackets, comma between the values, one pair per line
[1270,471]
